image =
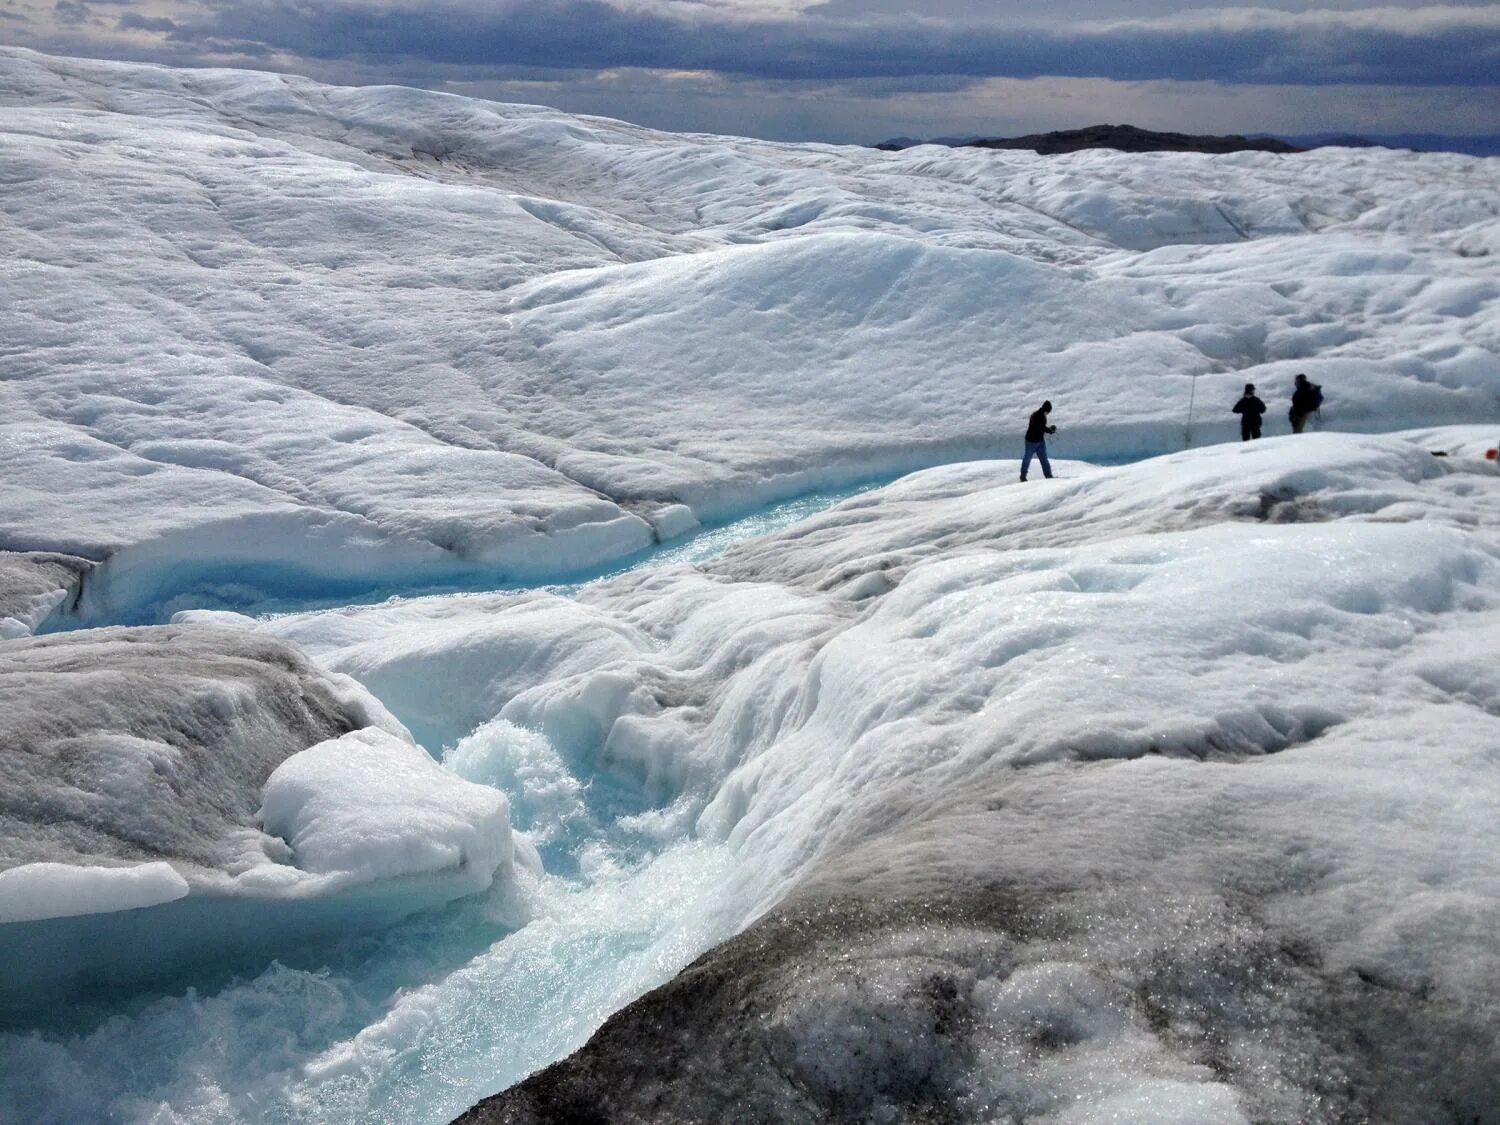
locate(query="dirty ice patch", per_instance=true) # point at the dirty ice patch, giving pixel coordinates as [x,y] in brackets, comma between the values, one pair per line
[32,586]
[369,806]
[136,745]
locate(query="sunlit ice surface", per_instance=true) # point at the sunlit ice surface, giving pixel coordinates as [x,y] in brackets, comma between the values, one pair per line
[492,672]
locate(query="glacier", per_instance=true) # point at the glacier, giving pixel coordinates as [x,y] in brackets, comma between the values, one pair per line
[357,340]
[512,608]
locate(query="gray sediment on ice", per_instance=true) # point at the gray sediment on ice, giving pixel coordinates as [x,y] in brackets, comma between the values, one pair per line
[124,745]
[29,579]
[895,986]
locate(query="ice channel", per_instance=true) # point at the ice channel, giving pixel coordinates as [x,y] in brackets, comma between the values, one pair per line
[419,1020]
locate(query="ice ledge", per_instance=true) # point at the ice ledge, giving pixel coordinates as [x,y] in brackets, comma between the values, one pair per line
[139,763]
[59,890]
[34,584]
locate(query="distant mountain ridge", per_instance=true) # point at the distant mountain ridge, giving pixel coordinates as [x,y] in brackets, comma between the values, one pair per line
[1130,138]
[1126,138]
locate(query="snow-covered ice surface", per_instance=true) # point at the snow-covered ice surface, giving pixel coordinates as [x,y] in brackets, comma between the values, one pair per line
[273,337]
[1181,813]
[1162,791]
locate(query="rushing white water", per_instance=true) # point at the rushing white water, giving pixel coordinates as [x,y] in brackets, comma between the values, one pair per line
[418,1020]
[414,1023]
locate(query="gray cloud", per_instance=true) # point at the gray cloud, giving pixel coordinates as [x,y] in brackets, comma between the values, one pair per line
[865,111]
[71,12]
[850,70]
[1445,46]
[132,22]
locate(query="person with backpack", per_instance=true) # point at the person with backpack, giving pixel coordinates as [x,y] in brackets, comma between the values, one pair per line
[1249,408]
[1306,398]
[1036,440]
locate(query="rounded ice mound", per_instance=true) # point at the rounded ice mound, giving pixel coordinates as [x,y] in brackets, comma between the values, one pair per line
[368,806]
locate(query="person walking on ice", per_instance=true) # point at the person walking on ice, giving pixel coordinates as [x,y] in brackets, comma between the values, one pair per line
[1306,398]
[1250,409]
[1036,441]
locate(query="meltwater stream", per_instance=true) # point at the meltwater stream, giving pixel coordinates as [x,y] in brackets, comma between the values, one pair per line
[416,1022]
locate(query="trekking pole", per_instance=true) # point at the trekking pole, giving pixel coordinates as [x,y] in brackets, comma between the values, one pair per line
[1187,431]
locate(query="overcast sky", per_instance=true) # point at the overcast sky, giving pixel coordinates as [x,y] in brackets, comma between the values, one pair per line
[850,70]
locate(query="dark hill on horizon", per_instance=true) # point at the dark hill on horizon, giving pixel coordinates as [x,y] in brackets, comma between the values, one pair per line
[1130,138]
[1126,138]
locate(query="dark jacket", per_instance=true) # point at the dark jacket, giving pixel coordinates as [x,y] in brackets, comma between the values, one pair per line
[1250,406]
[1306,398]
[1037,429]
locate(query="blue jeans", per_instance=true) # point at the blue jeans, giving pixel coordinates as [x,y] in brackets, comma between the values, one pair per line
[1037,449]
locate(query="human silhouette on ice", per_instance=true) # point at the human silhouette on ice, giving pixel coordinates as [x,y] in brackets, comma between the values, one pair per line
[1249,408]
[1036,440]
[1306,399]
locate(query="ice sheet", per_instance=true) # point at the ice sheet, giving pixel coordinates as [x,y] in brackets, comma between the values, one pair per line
[1164,789]
[440,337]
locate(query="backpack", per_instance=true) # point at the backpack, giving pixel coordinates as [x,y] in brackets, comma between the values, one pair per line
[1317,395]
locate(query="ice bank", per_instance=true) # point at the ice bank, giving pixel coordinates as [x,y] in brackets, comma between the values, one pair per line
[1158,792]
[33,585]
[180,796]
